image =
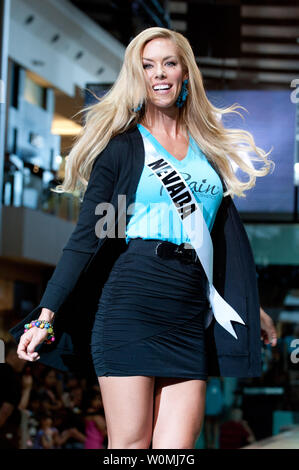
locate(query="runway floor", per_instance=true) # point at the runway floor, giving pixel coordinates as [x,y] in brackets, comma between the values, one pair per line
[285,440]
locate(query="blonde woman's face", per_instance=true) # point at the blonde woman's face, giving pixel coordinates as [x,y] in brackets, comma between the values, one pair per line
[163,72]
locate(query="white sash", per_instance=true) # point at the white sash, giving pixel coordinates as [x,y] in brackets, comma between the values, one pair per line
[192,218]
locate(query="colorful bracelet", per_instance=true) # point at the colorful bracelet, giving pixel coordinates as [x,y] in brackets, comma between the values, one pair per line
[42,324]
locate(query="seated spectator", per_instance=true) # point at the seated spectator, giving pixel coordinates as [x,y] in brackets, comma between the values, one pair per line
[95,424]
[76,399]
[71,382]
[51,388]
[73,421]
[48,436]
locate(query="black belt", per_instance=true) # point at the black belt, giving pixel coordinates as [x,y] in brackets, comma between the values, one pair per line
[166,249]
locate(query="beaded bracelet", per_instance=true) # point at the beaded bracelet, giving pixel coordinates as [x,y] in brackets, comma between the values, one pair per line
[42,324]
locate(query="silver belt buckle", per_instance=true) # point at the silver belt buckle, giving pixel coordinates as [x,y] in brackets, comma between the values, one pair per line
[157,248]
[163,249]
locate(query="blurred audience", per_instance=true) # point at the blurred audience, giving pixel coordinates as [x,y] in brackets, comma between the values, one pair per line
[62,410]
[43,408]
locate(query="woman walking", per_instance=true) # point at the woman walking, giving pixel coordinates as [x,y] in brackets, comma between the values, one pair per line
[151,139]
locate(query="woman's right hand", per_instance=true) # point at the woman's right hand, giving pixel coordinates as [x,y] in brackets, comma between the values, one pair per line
[33,337]
[28,342]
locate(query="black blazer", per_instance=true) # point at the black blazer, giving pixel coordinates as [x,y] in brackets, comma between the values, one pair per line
[74,290]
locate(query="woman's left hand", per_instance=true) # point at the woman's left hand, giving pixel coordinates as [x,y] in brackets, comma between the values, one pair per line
[268,330]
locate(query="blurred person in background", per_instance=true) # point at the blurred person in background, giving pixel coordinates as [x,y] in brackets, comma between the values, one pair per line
[34,408]
[51,388]
[45,403]
[74,416]
[213,411]
[14,396]
[236,432]
[71,382]
[76,399]
[95,424]
[47,436]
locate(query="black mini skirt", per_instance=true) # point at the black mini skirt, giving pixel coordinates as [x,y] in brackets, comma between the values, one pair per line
[150,316]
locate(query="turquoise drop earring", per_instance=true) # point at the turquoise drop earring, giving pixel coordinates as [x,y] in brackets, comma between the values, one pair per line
[138,108]
[183,94]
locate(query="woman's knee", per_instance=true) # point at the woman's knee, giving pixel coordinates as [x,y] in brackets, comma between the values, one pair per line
[176,441]
[130,442]
[134,435]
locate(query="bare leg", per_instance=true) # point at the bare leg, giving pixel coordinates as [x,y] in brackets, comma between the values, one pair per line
[178,412]
[128,406]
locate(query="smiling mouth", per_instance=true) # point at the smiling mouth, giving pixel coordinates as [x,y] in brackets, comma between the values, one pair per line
[163,89]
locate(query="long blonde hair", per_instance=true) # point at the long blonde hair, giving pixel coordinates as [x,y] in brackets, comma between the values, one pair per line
[114,114]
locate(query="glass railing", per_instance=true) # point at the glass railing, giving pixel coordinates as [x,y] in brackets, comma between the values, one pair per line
[24,188]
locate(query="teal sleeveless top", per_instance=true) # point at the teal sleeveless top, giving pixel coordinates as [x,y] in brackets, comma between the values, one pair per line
[153,215]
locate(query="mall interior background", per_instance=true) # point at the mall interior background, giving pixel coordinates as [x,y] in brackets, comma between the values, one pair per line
[54,54]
